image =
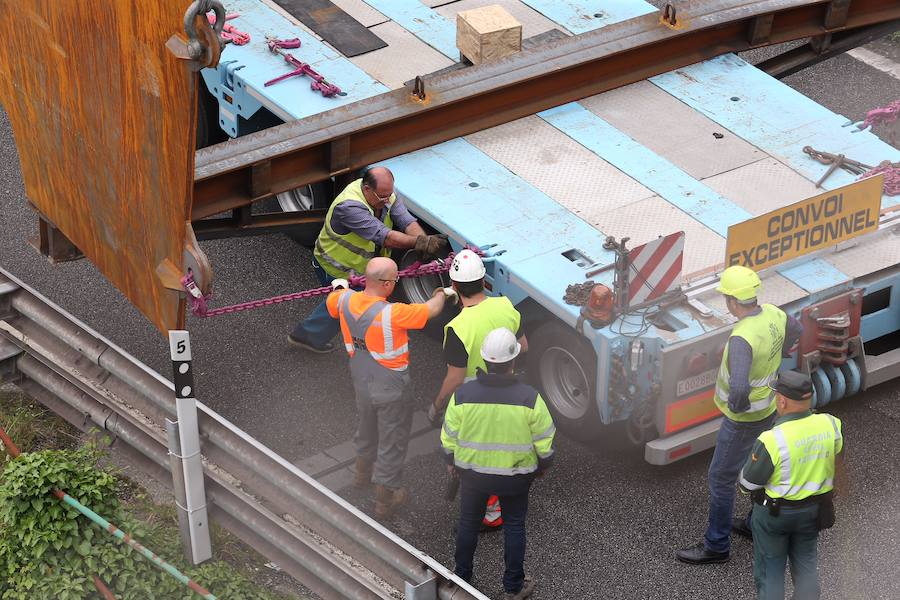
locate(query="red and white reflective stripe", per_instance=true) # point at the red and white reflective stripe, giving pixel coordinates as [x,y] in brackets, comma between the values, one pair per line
[655,268]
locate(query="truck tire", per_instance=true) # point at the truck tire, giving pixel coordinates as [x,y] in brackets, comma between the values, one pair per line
[563,365]
[303,198]
[418,290]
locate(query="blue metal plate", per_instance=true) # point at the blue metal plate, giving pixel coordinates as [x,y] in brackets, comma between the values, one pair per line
[239,80]
[578,16]
[432,28]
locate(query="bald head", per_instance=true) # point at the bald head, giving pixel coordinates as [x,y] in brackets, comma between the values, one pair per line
[381,276]
[377,186]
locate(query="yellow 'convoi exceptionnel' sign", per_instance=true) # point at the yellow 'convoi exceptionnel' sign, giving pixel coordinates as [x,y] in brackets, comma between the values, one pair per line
[806,226]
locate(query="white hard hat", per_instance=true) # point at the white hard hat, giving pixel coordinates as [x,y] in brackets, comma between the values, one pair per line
[500,346]
[466,267]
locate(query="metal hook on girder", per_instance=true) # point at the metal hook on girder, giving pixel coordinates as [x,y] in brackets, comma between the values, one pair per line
[668,16]
[419,88]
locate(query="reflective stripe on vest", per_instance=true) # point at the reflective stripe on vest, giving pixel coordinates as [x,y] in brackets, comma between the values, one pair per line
[473,323]
[359,326]
[340,254]
[496,470]
[764,332]
[498,430]
[803,453]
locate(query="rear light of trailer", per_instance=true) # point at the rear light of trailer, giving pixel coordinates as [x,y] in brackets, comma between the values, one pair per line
[679,452]
[691,411]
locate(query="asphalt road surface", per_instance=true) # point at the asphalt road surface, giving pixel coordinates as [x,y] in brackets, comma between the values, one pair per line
[602,524]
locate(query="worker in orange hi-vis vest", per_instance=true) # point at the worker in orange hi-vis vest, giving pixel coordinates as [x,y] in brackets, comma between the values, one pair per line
[375,337]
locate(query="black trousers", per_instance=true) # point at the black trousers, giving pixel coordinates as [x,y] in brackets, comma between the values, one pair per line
[473,494]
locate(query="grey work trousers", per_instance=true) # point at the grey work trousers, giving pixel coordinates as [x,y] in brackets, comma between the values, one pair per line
[382,436]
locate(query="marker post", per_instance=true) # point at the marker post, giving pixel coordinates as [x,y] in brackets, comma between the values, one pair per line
[187,449]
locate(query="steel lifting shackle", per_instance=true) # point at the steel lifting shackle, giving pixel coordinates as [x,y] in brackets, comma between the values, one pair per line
[197,47]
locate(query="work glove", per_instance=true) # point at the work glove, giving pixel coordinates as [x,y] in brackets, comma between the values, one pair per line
[337,284]
[429,246]
[449,292]
[435,416]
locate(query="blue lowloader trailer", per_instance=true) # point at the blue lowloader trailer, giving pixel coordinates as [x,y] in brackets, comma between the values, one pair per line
[698,168]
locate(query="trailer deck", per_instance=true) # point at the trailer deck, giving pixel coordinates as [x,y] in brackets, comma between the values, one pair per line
[694,150]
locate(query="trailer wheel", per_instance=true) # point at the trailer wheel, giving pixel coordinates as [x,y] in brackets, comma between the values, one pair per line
[417,290]
[305,197]
[563,365]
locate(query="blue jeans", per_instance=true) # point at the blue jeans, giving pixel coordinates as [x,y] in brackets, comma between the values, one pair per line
[319,327]
[793,533]
[473,494]
[733,445]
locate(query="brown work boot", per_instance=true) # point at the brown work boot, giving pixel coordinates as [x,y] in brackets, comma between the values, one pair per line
[362,476]
[525,592]
[388,500]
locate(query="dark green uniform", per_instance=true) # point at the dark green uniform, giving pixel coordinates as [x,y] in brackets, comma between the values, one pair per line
[791,473]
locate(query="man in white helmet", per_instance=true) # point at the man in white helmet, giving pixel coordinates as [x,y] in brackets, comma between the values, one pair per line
[497,437]
[463,337]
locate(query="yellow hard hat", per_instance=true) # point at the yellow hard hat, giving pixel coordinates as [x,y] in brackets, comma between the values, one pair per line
[740,282]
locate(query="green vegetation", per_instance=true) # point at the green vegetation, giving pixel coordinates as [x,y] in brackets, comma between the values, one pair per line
[48,551]
[31,426]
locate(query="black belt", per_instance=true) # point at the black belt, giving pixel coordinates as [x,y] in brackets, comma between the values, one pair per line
[764,500]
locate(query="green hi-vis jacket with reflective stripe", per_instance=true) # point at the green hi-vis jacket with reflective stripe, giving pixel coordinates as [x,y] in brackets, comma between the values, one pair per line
[473,323]
[498,426]
[764,332]
[340,254]
[795,459]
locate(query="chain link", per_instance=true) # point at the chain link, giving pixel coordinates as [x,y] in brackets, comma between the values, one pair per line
[200,303]
[891,173]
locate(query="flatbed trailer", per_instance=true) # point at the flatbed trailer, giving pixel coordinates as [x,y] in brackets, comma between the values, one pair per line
[696,150]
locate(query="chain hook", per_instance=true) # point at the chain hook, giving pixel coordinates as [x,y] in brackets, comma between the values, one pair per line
[196,43]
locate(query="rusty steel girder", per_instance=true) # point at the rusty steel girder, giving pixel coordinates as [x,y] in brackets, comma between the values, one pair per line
[438,109]
[104,120]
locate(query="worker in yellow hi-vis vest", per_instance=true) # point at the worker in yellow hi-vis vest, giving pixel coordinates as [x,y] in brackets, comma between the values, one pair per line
[790,475]
[752,357]
[463,337]
[364,221]
[497,437]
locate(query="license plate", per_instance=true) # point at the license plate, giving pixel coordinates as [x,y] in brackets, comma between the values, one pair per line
[697,382]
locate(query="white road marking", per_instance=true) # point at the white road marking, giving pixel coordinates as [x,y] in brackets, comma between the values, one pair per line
[873,59]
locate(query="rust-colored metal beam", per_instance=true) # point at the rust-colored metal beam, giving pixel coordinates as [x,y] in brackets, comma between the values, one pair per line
[253,167]
[802,57]
[103,115]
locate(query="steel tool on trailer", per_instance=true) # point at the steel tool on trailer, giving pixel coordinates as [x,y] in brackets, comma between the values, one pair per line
[834,161]
[319,83]
[230,33]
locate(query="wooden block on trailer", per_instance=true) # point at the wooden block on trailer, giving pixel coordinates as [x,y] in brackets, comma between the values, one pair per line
[487,33]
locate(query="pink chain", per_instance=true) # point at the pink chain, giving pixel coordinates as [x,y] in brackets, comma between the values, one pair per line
[883,114]
[891,177]
[200,302]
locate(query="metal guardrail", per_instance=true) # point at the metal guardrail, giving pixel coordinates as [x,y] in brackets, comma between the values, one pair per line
[324,542]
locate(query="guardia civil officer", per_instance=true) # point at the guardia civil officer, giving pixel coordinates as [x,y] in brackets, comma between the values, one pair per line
[790,475]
